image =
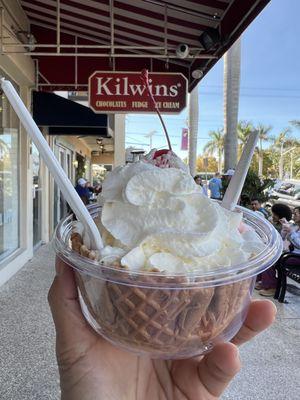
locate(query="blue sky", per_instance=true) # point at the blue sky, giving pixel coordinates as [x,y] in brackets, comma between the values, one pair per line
[270,83]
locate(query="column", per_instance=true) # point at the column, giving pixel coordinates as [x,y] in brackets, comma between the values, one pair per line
[118,125]
[193,129]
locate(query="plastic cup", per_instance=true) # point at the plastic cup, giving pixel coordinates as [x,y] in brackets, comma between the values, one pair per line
[170,317]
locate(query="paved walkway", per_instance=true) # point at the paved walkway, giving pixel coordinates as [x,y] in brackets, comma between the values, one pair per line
[271,362]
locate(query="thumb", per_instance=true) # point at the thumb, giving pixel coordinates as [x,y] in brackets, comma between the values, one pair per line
[69,322]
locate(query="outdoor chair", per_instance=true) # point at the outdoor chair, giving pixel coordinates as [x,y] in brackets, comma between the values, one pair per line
[284,270]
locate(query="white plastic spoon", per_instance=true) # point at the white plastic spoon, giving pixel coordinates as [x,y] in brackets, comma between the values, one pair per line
[237,181]
[53,165]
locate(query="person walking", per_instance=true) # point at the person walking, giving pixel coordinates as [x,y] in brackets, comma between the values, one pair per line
[215,186]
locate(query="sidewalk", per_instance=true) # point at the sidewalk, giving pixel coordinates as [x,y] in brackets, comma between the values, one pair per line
[271,362]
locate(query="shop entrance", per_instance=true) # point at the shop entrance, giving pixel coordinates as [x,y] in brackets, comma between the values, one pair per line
[36,196]
[60,204]
[81,167]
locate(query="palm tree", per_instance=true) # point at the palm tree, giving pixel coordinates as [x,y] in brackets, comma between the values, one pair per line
[232,70]
[292,146]
[244,128]
[216,144]
[279,142]
[263,132]
[295,145]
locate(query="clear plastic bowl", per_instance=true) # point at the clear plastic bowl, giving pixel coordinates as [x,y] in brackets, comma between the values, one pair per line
[171,317]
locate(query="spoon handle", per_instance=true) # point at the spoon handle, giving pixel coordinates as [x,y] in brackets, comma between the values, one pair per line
[237,181]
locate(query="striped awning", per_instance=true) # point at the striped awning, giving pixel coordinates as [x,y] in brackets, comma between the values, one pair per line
[131,35]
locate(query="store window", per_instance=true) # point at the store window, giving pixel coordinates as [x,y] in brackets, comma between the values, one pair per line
[9,177]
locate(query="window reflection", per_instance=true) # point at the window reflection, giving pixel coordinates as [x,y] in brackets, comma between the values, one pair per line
[9,178]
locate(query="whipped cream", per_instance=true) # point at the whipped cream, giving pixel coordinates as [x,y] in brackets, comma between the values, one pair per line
[159,219]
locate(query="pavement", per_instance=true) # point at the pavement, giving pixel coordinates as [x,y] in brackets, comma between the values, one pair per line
[28,371]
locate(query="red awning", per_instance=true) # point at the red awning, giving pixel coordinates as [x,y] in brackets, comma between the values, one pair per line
[133,35]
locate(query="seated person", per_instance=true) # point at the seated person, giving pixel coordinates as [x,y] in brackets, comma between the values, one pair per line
[256,206]
[83,191]
[291,233]
[281,214]
[198,180]
[94,189]
[267,281]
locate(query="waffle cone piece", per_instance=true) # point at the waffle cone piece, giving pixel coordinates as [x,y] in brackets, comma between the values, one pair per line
[158,320]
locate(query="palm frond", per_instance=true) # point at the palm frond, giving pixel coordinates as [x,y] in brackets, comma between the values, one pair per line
[216,143]
[244,128]
[295,123]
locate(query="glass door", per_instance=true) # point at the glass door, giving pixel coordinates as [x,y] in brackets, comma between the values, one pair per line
[61,207]
[36,196]
[9,176]
[61,200]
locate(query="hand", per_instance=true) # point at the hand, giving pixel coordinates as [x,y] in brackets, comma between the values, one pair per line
[286,245]
[92,369]
[286,229]
[283,221]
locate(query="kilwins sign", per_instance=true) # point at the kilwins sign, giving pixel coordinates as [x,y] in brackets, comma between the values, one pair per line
[125,92]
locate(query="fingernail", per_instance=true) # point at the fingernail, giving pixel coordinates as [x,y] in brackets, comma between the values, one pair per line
[237,355]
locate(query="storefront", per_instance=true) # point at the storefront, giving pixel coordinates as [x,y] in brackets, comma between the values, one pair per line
[54,47]
[20,205]
[68,150]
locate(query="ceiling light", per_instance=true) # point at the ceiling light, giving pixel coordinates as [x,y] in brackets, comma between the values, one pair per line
[197,74]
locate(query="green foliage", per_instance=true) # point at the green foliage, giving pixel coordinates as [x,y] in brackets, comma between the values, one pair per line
[212,165]
[270,165]
[255,187]
[216,143]
[295,123]
[244,128]
[282,154]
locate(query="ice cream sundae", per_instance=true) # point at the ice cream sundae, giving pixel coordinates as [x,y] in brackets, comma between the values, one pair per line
[171,279]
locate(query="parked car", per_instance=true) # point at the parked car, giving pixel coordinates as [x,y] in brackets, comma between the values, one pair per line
[274,187]
[288,193]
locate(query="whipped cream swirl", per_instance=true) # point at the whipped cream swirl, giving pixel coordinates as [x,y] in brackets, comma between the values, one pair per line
[159,219]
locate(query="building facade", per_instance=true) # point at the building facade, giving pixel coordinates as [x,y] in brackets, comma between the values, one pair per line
[16,199]
[30,202]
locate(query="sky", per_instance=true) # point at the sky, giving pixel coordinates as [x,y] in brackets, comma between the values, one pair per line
[269,86]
